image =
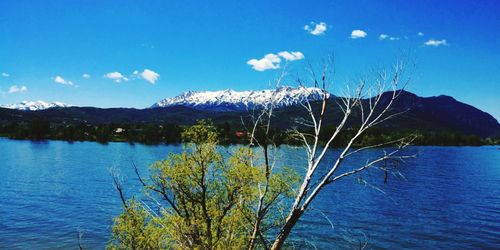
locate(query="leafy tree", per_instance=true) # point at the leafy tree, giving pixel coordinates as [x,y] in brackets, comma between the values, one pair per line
[39,129]
[103,133]
[142,230]
[205,200]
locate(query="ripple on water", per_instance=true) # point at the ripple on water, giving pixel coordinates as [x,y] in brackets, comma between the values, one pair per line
[449,199]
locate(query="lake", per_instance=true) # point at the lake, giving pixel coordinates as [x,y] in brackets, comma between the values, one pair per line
[449,197]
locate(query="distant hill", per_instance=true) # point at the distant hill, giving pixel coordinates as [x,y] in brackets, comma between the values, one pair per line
[423,113]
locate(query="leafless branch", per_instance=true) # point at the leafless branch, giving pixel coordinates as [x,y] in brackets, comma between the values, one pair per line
[375,106]
[117,183]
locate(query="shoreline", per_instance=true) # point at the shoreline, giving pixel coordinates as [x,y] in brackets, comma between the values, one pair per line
[222,144]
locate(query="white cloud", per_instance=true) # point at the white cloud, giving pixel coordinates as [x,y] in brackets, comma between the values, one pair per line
[355,34]
[319,28]
[149,75]
[5,74]
[269,61]
[146,74]
[436,43]
[116,76]
[272,61]
[17,89]
[291,56]
[87,76]
[420,33]
[390,38]
[61,80]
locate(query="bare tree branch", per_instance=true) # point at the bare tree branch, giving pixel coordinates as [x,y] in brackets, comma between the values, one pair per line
[377,109]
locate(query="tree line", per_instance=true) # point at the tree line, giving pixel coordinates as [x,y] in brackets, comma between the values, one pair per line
[169,133]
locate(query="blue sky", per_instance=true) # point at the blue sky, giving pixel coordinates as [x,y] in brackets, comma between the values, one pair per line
[176,46]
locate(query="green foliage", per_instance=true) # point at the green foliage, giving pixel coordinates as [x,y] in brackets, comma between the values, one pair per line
[209,201]
[228,133]
[375,136]
[136,228]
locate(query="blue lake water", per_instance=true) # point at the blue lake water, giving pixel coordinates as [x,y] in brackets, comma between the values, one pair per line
[449,198]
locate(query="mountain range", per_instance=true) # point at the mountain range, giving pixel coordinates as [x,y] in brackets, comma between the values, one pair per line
[34,105]
[230,100]
[422,113]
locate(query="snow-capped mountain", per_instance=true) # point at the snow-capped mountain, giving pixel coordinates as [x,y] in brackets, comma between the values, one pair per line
[225,100]
[34,105]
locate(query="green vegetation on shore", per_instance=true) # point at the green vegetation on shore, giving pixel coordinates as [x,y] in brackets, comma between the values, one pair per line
[168,133]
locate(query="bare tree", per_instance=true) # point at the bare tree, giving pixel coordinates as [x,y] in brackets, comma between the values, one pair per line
[261,137]
[372,100]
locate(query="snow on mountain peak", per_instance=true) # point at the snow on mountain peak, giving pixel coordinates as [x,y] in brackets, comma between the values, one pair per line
[34,105]
[224,100]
